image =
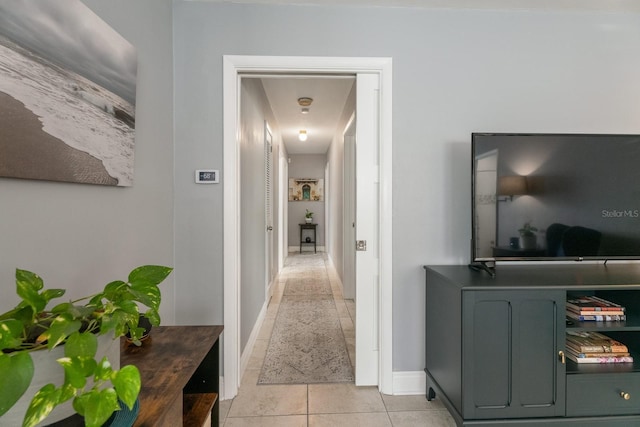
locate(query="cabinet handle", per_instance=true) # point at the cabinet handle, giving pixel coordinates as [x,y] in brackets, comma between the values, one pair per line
[563,359]
[625,396]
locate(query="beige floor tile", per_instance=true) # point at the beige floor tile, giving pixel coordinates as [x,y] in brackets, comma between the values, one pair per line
[250,378]
[275,421]
[343,398]
[257,355]
[348,329]
[269,400]
[439,418]
[341,308]
[267,328]
[376,419]
[224,409]
[410,403]
[272,310]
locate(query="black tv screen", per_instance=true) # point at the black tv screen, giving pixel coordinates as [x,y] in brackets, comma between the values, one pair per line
[555,197]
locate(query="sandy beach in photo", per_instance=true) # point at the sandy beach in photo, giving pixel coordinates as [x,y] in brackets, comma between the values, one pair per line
[26,151]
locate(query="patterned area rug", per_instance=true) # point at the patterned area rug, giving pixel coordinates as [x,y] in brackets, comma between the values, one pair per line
[307,344]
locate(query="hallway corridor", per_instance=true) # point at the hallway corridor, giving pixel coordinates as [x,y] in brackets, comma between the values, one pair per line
[320,404]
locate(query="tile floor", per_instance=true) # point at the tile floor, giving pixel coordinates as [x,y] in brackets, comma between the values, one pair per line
[319,405]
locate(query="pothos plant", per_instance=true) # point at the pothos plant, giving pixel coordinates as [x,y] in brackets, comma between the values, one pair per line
[32,326]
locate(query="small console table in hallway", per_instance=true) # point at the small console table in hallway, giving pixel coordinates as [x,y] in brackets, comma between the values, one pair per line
[312,240]
[179,367]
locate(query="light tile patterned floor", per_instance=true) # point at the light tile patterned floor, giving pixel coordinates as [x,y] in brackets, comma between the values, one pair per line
[322,405]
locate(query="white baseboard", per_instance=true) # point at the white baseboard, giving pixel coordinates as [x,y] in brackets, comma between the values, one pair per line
[221,382]
[248,349]
[409,382]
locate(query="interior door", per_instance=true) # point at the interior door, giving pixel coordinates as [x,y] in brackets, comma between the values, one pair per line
[485,201]
[268,190]
[349,212]
[367,229]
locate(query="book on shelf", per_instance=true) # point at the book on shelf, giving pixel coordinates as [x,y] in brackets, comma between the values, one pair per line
[597,318]
[605,359]
[601,352]
[594,342]
[592,303]
[588,355]
[596,313]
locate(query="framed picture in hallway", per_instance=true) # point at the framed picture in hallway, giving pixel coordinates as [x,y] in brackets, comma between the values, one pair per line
[67,95]
[306,189]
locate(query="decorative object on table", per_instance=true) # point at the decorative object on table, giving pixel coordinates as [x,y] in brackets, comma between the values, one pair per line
[145,324]
[528,238]
[308,216]
[75,328]
[514,242]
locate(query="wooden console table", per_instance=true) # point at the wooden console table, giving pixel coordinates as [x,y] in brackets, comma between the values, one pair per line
[179,366]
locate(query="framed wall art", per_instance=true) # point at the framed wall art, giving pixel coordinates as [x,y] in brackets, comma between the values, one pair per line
[67,95]
[309,189]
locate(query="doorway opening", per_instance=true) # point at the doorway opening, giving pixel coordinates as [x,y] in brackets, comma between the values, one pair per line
[374,74]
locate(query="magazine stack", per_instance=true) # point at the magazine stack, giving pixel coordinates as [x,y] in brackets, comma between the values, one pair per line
[590,308]
[594,347]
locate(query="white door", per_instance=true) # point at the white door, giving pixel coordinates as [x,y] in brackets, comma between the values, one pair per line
[485,200]
[268,190]
[367,217]
[349,212]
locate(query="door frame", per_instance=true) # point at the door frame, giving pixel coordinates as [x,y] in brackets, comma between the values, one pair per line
[233,66]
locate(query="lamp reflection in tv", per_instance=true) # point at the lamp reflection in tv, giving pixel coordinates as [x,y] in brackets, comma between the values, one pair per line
[511,185]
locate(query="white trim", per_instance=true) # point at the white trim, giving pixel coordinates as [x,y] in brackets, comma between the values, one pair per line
[409,383]
[248,349]
[231,240]
[232,66]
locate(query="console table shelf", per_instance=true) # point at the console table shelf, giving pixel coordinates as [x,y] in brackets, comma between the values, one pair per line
[179,366]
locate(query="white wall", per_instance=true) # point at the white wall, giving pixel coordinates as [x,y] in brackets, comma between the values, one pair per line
[454,72]
[81,237]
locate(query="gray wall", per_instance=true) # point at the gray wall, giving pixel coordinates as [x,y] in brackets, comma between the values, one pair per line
[454,72]
[306,166]
[254,112]
[81,237]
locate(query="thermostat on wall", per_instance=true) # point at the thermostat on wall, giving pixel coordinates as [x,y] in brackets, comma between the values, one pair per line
[207,176]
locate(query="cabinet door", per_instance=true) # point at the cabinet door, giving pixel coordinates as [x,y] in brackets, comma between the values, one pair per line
[510,351]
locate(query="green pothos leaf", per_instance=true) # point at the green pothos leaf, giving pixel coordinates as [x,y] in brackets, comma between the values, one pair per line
[16,372]
[41,405]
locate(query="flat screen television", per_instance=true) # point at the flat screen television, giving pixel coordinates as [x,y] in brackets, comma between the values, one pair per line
[555,197]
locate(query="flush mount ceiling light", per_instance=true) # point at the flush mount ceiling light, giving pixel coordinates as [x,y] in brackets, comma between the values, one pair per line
[305,101]
[302,136]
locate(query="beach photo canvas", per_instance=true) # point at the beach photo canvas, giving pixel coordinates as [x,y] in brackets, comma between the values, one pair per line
[67,95]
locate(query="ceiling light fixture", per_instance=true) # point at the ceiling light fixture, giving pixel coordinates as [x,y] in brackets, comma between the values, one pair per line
[305,101]
[302,136]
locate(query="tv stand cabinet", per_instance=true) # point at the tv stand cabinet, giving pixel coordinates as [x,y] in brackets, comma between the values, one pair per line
[495,346]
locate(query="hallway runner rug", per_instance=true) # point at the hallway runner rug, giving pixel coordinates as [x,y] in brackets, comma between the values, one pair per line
[307,344]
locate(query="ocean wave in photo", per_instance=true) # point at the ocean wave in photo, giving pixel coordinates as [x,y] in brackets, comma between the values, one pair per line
[80,113]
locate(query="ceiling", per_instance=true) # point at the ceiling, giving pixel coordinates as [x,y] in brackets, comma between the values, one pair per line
[329,94]
[579,5]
